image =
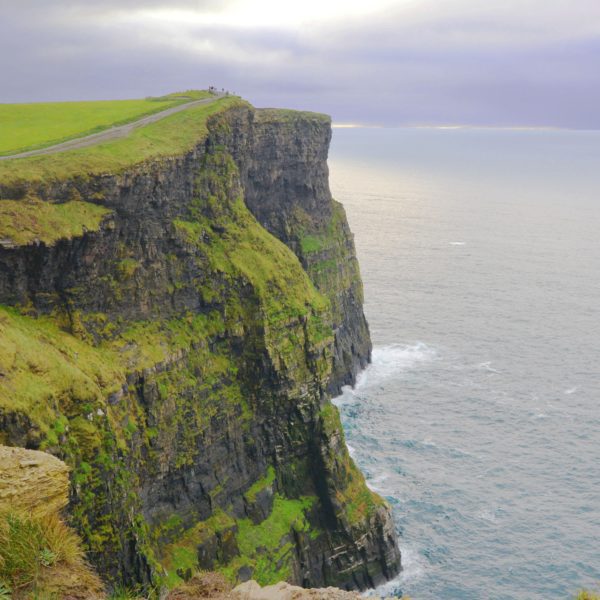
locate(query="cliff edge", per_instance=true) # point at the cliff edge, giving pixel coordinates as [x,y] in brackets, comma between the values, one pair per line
[176,343]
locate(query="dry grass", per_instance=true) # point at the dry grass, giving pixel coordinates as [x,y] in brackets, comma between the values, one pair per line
[42,557]
[202,585]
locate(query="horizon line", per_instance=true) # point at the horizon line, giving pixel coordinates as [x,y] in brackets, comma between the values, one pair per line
[342,125]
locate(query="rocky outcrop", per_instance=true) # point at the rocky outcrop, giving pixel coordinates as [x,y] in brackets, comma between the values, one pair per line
[32,482]
[250,590]
[211,586]
[180,358]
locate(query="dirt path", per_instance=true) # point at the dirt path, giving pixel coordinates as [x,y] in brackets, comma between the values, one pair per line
[113,133]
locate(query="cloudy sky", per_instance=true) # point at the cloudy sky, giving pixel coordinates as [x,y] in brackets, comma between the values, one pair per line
[396,62]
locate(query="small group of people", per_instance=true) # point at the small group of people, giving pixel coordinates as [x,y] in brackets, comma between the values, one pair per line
[214,90]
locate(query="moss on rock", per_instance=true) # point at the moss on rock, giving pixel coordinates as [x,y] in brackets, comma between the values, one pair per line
[179,363]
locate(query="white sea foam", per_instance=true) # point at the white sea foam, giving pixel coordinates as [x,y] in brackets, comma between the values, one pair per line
[412,569]
[395,358]
[387,361]
[487,366]
[361,379]
[457,243]
[348,396]
[488,515]
[376,483]
[571,390]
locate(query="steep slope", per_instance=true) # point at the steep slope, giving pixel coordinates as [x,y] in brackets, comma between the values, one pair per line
[178,352]
[283,166]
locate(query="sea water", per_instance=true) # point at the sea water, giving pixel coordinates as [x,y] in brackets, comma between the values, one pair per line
[479,418]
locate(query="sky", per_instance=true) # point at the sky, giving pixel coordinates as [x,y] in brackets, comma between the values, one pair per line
[528,63]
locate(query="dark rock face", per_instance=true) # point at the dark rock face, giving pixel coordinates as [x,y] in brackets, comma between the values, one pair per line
[283,167]
[217,447]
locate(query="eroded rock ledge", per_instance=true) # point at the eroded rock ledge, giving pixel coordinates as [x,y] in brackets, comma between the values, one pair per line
[210,586]
[284,591]
[32,482]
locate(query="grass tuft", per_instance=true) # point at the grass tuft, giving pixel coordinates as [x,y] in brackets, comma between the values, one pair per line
[5,593]
[125,593]
[32,547]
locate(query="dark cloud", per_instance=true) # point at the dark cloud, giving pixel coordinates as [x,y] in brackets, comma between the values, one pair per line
[531,62]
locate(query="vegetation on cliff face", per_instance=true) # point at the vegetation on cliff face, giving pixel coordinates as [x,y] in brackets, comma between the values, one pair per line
[355,502]
[30,220]
[322,248]
[319,237]
[177,356]
[58,379]
[263,549]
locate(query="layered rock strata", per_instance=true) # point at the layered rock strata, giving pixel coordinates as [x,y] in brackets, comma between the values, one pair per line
[180,358]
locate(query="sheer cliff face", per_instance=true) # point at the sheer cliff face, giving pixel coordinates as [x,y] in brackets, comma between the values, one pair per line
[181,357]
[283,167]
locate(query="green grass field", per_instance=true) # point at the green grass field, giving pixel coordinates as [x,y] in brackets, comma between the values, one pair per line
[168,137]
[31,126]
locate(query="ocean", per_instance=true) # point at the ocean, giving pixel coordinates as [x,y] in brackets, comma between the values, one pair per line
[479,417]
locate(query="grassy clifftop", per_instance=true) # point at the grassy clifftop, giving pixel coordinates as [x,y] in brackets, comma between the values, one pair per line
[38,125]
[170,136]
[24,217]
[31,126]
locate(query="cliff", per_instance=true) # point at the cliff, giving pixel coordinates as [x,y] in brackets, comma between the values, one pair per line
[177,342]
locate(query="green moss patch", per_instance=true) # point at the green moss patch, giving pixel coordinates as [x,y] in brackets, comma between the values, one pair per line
[29,220]
[312,243]
[181,557]
[265,548]
[46,370]
[260,485]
